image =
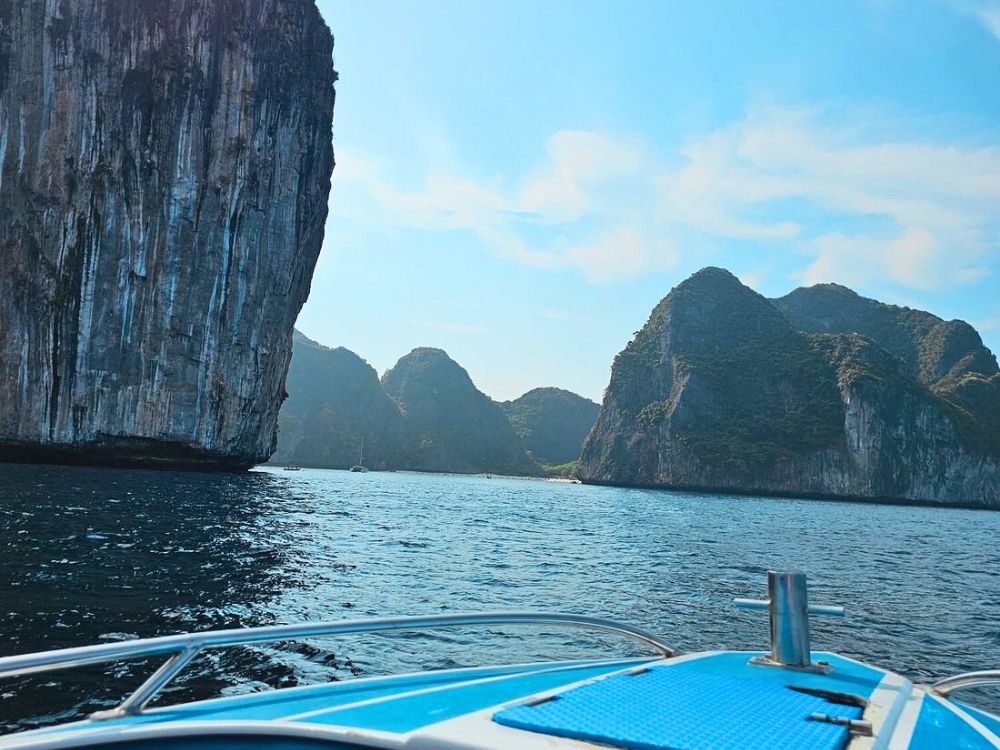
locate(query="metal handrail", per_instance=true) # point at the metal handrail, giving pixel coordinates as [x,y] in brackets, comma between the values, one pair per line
[949,685]
[182,648]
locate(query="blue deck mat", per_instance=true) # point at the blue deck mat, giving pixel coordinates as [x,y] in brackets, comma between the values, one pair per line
[667,707]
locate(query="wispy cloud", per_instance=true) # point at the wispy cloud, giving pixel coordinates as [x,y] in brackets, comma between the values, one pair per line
[987,12]
[579,164]
[588,207]
[855,205]
[937,203]
[753,278]
[991,20]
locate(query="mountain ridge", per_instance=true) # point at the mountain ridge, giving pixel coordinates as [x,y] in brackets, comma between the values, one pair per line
[451,425]
[336,410]
[424,414]
[722,389]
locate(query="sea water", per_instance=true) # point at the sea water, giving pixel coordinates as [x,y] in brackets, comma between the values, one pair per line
[92,555]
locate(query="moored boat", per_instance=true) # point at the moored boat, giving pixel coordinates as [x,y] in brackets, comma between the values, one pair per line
[360,465]
[787,697]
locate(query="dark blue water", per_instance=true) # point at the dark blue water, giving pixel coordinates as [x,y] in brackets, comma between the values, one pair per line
[97,554]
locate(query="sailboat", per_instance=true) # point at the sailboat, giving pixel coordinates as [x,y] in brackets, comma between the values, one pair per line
[360,465]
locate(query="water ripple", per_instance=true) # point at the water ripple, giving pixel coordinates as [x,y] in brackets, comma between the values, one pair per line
[98,553]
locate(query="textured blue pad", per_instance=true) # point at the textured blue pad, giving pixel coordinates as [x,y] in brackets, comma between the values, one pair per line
[686,709]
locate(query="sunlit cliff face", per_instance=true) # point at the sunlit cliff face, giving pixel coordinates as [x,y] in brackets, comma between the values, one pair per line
[820,392]
[164,173]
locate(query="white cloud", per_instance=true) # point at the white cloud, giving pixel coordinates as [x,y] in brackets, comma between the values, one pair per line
[859,206]
[621,254]
[914,259]
[585,208]
[991,20]
[937,202]
[987,12]
[717,183]
[578,162]
[753,279]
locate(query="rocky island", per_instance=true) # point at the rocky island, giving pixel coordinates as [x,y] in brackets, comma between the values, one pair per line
[164,173]
[337,411]
[450,424]
[821,392]
[425,414]
[552,423]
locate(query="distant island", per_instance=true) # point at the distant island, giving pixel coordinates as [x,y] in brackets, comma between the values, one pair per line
[821,392]
[424,414]
[552,424]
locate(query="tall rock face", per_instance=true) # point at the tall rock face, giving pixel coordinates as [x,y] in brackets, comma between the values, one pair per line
[930,349]
[811,394]
[450,424]
[164,173]
[552,423]
[945,356]
[337,412]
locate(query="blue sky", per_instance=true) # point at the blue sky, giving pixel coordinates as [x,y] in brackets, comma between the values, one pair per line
[519,183]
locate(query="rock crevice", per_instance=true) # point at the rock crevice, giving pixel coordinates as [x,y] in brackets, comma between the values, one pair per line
[164,174]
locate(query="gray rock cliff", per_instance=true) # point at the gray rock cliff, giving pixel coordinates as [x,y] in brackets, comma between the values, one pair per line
[811,394]
[164,173]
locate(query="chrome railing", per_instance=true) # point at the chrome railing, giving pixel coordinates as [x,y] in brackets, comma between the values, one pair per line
[949,685]
[182,648]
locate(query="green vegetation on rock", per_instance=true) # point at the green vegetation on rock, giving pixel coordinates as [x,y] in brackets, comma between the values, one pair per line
[819,392]
[721,369]
[425,415]
[568,470]
[336,409]
[946,356]
[450,424]
[552,424]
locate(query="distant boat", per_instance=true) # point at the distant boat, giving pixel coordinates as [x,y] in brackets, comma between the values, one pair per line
[360,465]
[292,468]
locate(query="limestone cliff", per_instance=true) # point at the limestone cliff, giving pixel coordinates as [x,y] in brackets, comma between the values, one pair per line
[946,356]
[164,173]
[337,410]
[723,389]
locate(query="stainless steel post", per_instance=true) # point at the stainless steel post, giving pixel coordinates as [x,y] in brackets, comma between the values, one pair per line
[789,612]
